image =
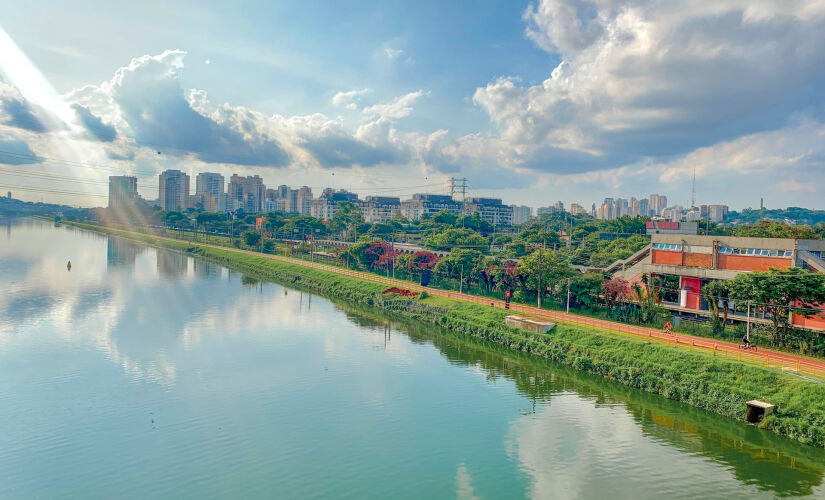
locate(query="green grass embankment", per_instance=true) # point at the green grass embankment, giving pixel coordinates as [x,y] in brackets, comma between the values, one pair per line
[694,378]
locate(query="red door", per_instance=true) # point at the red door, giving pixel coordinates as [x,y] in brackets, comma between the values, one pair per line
[694,292]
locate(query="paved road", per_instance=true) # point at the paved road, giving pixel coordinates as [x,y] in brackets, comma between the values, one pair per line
[768,358]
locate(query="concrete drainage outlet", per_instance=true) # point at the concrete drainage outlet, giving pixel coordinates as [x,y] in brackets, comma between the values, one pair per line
[756,411]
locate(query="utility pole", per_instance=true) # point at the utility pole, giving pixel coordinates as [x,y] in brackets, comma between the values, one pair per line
[568,295]
[461,280]
[748,329]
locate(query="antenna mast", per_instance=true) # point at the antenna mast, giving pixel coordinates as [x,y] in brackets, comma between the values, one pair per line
[693,191]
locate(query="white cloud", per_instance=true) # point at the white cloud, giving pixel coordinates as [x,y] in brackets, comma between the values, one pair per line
[347,99]
[795,149]
[393,54]
[792,186]
[639,79]
[398,108]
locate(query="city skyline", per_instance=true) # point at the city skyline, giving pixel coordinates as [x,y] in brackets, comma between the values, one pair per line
[515,111]
[214,194]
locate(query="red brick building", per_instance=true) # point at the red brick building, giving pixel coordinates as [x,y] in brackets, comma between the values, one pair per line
[696,260]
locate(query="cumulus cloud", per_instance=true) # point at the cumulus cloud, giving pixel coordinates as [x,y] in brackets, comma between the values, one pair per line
[798,148]
[102,131]
[147,98]
[16,152]
[395,109]
[348,99]
[333,146]
[19,114]
[639,79]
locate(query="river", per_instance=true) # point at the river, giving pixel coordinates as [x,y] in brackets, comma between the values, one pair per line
[144,373]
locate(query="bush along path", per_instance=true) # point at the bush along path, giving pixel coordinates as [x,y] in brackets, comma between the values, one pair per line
[702,378]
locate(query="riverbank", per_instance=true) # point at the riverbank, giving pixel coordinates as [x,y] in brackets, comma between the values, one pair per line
[695,378]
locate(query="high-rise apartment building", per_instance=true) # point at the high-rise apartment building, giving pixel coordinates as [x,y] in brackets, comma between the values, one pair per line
[250,191]
[633,207]
[173,190]
[209,187]
[717,213]
[209,184]
[644,207]
[577,209]
[657,203]
[521,214]
[122,191]
[303,200]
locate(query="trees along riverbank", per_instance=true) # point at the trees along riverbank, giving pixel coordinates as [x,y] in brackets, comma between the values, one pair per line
[531,261]
[695,378]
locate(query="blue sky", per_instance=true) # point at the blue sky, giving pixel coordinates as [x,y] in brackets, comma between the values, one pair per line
[532,101]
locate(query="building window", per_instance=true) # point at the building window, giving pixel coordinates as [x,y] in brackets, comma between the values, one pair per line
[762,252]
[667,246]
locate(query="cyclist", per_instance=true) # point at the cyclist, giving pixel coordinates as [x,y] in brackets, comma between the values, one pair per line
[667,327]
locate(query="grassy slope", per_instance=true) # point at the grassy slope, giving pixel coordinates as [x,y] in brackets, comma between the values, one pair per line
[695,378]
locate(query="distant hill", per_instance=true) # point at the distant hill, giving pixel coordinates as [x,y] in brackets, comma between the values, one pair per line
[790,215]
[17,208]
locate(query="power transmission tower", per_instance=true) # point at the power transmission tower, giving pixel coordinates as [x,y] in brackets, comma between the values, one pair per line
[459,186]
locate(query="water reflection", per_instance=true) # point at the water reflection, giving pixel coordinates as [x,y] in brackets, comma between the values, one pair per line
[121,253]
[567,434]
[756,457]
[172,265]
[562,458]
[206,270]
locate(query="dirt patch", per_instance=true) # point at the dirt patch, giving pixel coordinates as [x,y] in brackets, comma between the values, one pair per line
[400,291]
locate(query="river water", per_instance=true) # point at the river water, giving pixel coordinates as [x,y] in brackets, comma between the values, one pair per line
[143,373]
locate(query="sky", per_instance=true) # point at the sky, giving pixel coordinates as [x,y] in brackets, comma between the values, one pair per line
[532,102]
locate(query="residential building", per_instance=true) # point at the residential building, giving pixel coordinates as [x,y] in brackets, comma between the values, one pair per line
[607,210]
[303,200]
[208,187]
[209,184]
[423,204]
[174,190]
[380,208]
[633,207]
[250,191]
[657,203]
[227,203]
[644,207]
[577,209]
[521,214]
[552,209]
[673,213]
[326,205]
[717,213]
[122,191]
[491,210]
